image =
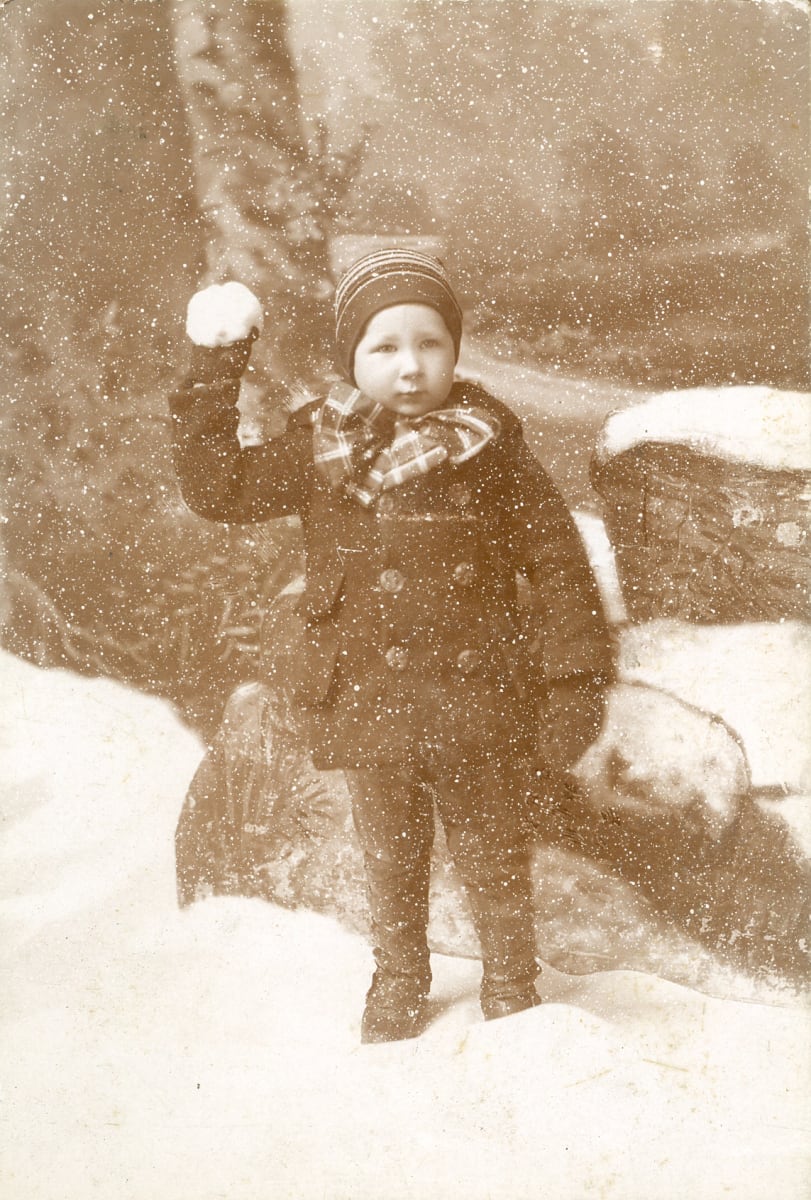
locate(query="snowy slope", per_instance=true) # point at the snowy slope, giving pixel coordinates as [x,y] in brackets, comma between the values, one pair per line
[214,1053]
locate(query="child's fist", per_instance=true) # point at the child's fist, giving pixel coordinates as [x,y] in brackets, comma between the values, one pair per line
[223,321]
[209,364]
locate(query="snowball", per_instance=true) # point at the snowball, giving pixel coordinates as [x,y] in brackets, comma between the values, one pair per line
[759,425]
[222,314]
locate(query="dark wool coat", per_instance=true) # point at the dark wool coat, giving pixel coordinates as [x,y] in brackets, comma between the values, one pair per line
[416,640]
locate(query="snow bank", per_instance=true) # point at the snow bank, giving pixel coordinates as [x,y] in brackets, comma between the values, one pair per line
[222,314]
[758,425]
[214,1052]
[91,773]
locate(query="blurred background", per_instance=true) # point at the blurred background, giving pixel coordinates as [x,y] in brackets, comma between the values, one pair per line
[620,189]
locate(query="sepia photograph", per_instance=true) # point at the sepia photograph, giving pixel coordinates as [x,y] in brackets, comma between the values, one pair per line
[405,600]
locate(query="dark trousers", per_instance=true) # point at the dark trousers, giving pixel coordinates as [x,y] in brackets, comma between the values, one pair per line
[483,809]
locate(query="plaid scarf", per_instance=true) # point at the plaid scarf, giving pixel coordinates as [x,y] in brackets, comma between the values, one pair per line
[363,449]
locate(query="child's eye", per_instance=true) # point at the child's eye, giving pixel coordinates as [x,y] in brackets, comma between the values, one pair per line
[384,348]
[430,343]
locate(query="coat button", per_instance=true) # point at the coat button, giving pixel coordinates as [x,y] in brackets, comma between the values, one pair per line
[392,580]
[469,661]
[464,573]
[397,658]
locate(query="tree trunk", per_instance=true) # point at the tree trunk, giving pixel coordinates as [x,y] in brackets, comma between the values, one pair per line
[258,187]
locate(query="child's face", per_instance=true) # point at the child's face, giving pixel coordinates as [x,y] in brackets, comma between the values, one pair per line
[405,359]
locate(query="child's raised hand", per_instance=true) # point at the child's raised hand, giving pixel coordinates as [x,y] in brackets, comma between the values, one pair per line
[212,363]
[223,321]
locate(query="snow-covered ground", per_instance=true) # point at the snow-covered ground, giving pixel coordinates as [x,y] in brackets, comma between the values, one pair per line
[214,1053]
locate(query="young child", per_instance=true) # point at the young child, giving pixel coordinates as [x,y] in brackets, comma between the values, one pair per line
[422,508]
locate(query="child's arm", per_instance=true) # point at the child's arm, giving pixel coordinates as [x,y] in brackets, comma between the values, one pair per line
[219,479]
[565,595]
[577,656]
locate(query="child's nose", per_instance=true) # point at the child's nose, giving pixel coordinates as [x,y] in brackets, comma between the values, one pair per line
[409,363]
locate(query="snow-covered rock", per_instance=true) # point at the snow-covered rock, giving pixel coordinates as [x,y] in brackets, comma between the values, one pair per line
[756,677]
[222,313]
[662,758]
[668,805]
[707,501]
[763,426]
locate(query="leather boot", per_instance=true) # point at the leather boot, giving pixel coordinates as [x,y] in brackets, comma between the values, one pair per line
[506,932]
[398,905]
[395,1008]
[503,919]
[489,841]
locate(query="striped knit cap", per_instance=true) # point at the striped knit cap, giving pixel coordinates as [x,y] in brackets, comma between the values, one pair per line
[387,277]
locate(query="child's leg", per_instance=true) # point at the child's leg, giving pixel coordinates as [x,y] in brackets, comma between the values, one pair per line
[483,812]
[394,819]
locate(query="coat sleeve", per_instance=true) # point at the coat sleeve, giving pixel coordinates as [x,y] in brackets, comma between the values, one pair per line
[552,556]
[220,479]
